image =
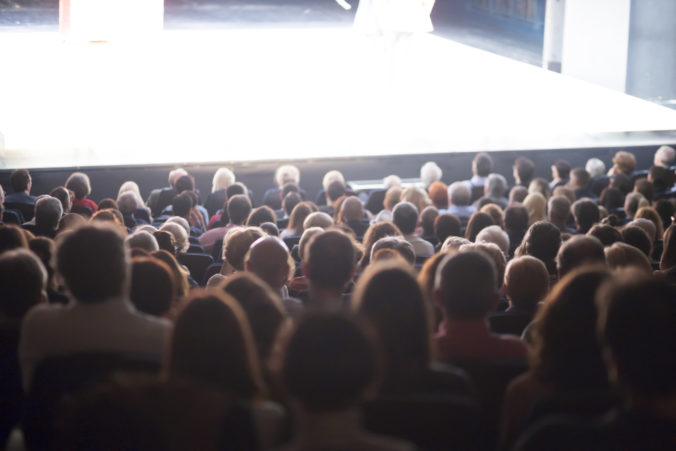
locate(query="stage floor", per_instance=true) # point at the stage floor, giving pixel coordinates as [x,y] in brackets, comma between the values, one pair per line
[269,94]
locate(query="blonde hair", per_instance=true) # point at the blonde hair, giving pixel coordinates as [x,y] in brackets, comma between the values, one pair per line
[536,204]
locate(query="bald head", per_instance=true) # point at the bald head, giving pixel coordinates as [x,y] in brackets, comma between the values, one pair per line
[268,258]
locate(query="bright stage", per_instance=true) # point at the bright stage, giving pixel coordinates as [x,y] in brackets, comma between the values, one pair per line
[268,94]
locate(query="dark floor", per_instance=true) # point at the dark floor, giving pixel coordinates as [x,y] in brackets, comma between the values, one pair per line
[450,20]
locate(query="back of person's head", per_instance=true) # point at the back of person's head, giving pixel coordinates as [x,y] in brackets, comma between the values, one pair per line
[427,218]
[65,196]
[212,344]
[260,215]
[109,215]
[235,189]
[330,260]
[405,216]
[606,234]
[290,201]
[330,177]
[223,178]
[298,215]
[175,174]
[239,207]
[306,239]
[565,351]
[595,167]
[318,219]
[516,217]
[636,326]
[637,237]
[165,240]
[287,173]
[624,162]
[540,186]
[565,192]
[482,164]
[622,182]
[496,186]
[524,170]
[389,296]
[336,190]
[268,258]
[417,196]
[108,203]
[93,262]
[477,222]
[430,172]
[127,202]
[580,178]
[20,179]
[391,181]
[396,243]
[262,307]
[651,214]
[374,233]
[648,227]
[181,239]
[562,168]
[559,209]
[330,362]
[351,209]
[460,193]
[668,259]
[494,252]
[179,273]
[622,255]
[12,237]
[542,241]
[526,282]
[392,197]
[23,279]
[612,198]
[446,225]
[78,183]
[633,202]
[182,204]
[438,193]
[586,214]
[184,183]
[536,204]
[517,194]
[48,212]
[578,251]
[645,187]
[453,243]
[663,179]
[664,156]
[153,287]
[236,244]
[665,208]
[142,240]
[465,284]
[290,188]
[494,234]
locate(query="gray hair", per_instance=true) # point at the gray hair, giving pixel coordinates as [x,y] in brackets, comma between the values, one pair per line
[496,185]
[595,167]
[142,240]
[287,173]
[494,234]
[454,243]
[330,177]
[460,193]
[391,180]
[664,156]
[430,172]
[127,202]
[48,211]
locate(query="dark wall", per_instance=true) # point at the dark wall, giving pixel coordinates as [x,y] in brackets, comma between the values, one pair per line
[258,176]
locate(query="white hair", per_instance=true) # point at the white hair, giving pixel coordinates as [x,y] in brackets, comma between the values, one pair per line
[317,219]
[287,173]
[430,172]
[130,187]
[223,178]
[175,175]
[454,243]
[182,222]
[664,156]
[494,234]
[142,240]
[179,234]
[595,167]
[391,180]
[146,227]
[330,177]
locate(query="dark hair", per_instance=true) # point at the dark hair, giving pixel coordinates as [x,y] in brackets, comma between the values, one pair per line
[477,222]
[239,207]
[260,215]
[331,259]
[565,349]
[182,204]
[612,198]
[662,178]
[483,164]
[262,307]
[581,176]
[235,189]
[405,216]
[107,203]
[646,188]
[586,214]
[542,241]
[153,288]
[467,283]
[212,344]
[330,361]
[606,234]
[621,182]
[577,251]
[374,233]
[427,218]
[45,249]
[22,278]
[563,168]
[165,240]
[518,194]
[525,169]
[389,296]
[298,215]
[668,259]
[446,225]
[180,278]
[184,183]
[93,262]
[335,190]
[665,209]
[12,237]
[516,217]
[78,183]
[637,237]
[20,179]
[397,244]
[290,201]
[65,196]
[637,325]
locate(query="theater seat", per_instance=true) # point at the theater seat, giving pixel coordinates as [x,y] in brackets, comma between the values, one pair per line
[27,210]
[56,377]
[197,264]
[12,217]
[431,422]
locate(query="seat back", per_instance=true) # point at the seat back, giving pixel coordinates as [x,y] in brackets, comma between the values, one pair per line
[197,264]
[212,269]
[27,210]
[12,217]
[431,422]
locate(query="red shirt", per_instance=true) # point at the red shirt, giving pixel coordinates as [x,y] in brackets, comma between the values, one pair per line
[87,203]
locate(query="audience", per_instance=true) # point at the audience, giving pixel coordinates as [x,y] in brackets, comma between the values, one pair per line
[405,217]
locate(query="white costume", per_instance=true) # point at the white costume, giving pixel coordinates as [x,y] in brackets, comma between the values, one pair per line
[393,16]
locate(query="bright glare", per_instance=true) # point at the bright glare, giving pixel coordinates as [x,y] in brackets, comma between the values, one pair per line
[232,95]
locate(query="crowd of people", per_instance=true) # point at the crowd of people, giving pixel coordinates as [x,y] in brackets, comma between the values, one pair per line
[477,314]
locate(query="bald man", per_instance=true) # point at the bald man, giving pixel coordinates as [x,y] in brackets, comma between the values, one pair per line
[269,259]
